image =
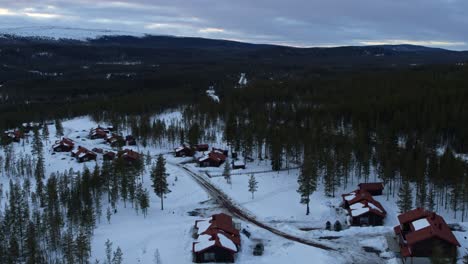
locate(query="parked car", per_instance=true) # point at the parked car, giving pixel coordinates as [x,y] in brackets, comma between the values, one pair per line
[258,249]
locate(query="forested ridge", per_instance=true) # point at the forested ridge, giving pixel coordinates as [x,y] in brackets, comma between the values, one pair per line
[406,125]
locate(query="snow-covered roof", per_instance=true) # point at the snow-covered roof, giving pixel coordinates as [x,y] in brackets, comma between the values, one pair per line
[420,224]
[203,242]
[350,196]
[226,242]
[205,157]
[358,209]
[239,163]
[82,154]
[203,225]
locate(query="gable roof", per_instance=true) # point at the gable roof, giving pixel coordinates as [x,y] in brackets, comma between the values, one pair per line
[361,202]
[426,225]
[216,231]
[371,186]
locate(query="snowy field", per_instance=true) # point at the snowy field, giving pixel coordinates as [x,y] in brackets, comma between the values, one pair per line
[165,236]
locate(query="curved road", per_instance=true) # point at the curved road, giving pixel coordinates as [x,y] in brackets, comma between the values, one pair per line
[237,211]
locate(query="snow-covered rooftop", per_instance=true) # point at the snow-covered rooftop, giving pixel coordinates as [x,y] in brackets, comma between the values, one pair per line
[226,242]
[420,224]
[358,209]
[203,243]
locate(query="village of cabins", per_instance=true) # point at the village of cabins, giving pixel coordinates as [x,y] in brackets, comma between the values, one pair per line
[420,235]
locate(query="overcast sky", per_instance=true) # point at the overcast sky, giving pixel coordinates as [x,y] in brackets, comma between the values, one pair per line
[439,23]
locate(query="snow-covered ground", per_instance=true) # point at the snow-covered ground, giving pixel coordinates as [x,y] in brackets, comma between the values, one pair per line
[276,203]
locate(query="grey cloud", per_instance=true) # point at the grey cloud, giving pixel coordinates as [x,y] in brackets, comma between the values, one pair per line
[296,22]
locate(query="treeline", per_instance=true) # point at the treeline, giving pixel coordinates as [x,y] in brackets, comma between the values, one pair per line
[52,219]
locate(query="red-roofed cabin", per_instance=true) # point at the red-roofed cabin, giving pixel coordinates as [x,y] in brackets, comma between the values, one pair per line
[213,159]
[363,209]
[222,151]
[202,147]
[129,156]
[423,234]
[217,239]
[98,132]
[116,141]
[83,154]
[109,155]
[184,151]
[374,188]
[13,136]
[64,145]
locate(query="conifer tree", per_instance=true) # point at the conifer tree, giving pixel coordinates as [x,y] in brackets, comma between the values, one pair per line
[253,185]
[307,181]
[159,178]
[405,201]
[227,172]
[58,128]
[118,256]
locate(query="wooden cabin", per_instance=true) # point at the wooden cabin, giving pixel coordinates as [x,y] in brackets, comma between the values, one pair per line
[184,151]
[217,240]
[363,210]
[222,151]
[13,136]
[27,127]
[83,154]
[129,156]
[98,132]
[424,235]
[109,155]
[98,150]
[202,147]
[63,145]
[116,141]
[213,159]
[374,188]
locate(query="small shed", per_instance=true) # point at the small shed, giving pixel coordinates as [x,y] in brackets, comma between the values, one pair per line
[130,140]
[238,164]
[374,188]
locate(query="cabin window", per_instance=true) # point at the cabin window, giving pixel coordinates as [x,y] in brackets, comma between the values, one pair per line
[209,256]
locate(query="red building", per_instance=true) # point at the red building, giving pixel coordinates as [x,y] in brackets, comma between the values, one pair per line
[374,188]
[13,136]
[213,159]
[64,145]
[109,155]
[98,132]
[423,234]
[217,239]
[129,156]
[202,147]
[83,154]
[184,151]
[363,209]
[116,141]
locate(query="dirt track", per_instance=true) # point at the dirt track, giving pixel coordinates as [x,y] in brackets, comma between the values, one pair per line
[223,200]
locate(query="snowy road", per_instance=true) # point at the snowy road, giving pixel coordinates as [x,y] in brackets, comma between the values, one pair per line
[222,199]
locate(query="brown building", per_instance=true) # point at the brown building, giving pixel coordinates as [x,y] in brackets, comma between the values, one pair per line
[213,159]
[98,132]
[116,141]
[83,154]
[64,145]
[13,136]
[184,151]
[423,234]
[109,155]
[202,147]
[374,188]
[217,239]
[130,140]
[363,210]
[129,156]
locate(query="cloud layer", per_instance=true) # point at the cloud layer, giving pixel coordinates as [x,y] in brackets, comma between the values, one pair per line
[439,23]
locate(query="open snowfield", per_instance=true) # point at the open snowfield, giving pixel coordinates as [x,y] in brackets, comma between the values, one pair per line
[167,233]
